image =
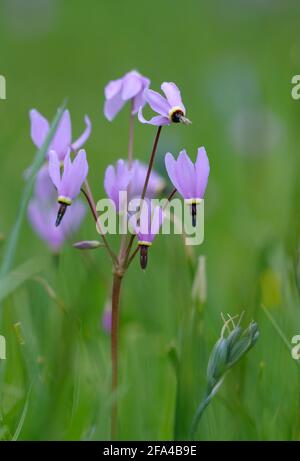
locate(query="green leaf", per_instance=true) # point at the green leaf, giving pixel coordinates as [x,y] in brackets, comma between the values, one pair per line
[10,250]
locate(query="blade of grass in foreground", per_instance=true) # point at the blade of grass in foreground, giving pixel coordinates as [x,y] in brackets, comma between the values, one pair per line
[12,242]
[278,330]
[22,418]
[18,276]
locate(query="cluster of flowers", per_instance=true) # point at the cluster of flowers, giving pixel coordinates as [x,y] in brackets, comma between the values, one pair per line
[55,212]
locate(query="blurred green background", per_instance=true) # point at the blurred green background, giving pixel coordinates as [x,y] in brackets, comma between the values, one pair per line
[234,62]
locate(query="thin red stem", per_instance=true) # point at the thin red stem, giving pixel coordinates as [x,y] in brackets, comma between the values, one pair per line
[89,197]
[150,166]
[117,280]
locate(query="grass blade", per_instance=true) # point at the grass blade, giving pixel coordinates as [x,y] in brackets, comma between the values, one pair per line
[17,277]
[10,250]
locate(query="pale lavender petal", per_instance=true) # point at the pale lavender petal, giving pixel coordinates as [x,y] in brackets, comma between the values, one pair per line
[156,221]
[74,175]
[172,94]
[113,106]
[139,100]
[132,85]
[54,168]
[157,102]
[73,218]
[85,135]
[63,136]
[186,175]
[150,221]
[139,171]
[124,174]
[117,179]
[42,218]
[170,164]
[109,181]
[39,127]
[44,188]
[202,172]
[158,120]
[112,88]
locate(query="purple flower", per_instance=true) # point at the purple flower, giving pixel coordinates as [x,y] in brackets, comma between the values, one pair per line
[118,92]
[150,220]
[62,140]
[131,180]
[170,108]
[42,215]
[68,184]
[155,185]
[116,180]
[43,188]
[189,179]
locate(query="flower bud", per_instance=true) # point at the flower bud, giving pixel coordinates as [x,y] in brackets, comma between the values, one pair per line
[241,345]
[217,362]
[87,245]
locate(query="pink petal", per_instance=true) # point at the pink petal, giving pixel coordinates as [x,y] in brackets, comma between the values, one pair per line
[157,102]
[202,172]
[54,168]
[172,94]
[170,163]
[113,106]
[63,136]
[112,88]
[158,120]
[39,128]
[85,135]
[186,175]
[132,85]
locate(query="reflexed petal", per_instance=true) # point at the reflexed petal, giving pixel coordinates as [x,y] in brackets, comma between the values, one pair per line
[42,217]
[113,106]
[139,171]
[157,102]
[76,175]
[63,136]
[85,135]
[44,188]
[73,217]
[112,88]
[39,127]
[138,102]
[170,163]
[172,94]
[202,172]
[186,175]
[132,85]
[158,120]
[109,180]
[54,169]
[157,220]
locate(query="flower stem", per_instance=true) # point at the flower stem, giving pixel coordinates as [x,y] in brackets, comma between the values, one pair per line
[150,166]
[117,280]
[151,161]
[203,404]
[131,136]
[90,199]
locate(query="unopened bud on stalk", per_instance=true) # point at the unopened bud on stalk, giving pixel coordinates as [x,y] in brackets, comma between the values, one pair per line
[226,353]
[87,245]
